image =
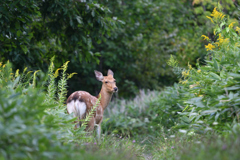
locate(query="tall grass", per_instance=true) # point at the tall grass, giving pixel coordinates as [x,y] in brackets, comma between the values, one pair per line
[131,117]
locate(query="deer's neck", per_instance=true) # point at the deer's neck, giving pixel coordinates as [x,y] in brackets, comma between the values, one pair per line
[105,98]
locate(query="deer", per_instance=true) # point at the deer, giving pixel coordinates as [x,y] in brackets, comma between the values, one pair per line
[80,103]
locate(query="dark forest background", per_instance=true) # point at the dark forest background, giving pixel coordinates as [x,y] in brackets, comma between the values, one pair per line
[133,38]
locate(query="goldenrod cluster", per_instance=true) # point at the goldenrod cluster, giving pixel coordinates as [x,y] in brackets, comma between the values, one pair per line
[209,47]
[221,40]
[183,82]
[189,66]
[231,25]
[216,15]
[205,37]
[237,29]
[185,73]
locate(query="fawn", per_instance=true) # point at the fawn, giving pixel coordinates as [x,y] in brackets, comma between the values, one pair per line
[80,103]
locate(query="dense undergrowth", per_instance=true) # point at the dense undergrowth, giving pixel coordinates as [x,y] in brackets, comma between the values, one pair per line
[196,118]
[205,99]
[34,123]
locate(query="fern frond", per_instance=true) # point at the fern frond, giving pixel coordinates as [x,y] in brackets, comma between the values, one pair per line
[62,85]
[34,78]
[51,89]
[91,113]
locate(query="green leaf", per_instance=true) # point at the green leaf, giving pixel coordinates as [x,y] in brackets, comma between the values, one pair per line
[214,76]
[18,33]
[236,87]
[93,13]
[209,111]
[216,65]
[235,75]
[79,19]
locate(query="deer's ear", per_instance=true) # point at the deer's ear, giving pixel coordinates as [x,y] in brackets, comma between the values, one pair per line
[110,72]
[99,75]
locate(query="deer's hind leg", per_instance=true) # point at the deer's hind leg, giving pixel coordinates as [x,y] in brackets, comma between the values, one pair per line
[90,125]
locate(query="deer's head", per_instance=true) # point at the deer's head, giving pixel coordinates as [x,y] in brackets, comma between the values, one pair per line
[109,83]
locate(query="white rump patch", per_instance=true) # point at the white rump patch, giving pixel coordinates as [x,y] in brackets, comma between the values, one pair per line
[77,108]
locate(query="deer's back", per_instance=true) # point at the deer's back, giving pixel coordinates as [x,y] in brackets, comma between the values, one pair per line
[82,97]
[80,102]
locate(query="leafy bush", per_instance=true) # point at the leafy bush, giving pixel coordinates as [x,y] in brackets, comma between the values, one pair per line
[130,117]
[206,98]
[34,123]
[23,135]
[212,99]
[147,113]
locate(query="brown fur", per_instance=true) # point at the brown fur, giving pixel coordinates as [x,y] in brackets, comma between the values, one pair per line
[108,87]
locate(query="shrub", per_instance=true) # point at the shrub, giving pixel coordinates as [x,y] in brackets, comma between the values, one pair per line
[147,113]
[212,99]
[130,117]
[207,96]
[34,123]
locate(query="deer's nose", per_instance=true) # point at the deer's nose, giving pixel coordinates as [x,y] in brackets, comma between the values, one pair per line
[115,89]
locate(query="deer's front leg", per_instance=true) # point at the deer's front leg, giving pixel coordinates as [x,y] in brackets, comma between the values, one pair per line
[98,130]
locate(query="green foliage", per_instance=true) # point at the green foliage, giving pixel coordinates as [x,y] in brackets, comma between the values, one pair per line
[142,115]
[35,126]
[32,32]
[129,117]
[62,85]
[22,133]
[206,98]
[51,87]
[213,148]
[212,97]
[146,113]
[133,38]
[138,50]
[91,113]
[192,146]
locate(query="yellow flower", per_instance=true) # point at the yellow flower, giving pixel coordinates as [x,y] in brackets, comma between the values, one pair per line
[205,37]
[4,66]
[210,19]
[24,69]
[56,72]
[185,73]
[221,40]
[71,75]
[209,47]
[237,29]
[184,82]
[198,71]
[237,45]
[17,73]
[216,14]
[222,16]
[198,82]
[189,66]
[231,24]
